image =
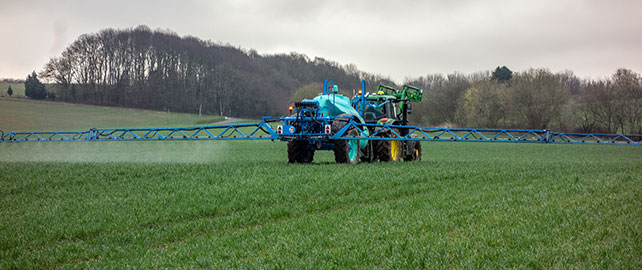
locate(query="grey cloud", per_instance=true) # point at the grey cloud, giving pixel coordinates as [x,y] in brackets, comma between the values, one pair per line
[396,38]
[59,36]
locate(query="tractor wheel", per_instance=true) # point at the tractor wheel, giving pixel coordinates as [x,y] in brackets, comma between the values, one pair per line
[298,153]
[414,151]
[347,151]
[340,121]
[388,150]
[368,154]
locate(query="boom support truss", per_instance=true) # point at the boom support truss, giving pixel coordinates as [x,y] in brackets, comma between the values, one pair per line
[265,131]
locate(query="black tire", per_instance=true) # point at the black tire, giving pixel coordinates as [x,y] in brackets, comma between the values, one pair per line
[342,149]
[413,152]
[298,152]
[340,121]
[368,154]
[383,149]
[418,151]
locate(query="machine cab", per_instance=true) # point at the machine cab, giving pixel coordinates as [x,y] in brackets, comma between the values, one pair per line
[377,109]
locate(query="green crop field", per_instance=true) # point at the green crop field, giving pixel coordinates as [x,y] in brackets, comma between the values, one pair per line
[29,115]
[239,204]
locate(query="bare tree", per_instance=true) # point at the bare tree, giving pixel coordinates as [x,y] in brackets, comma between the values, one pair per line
[485,105]
[158,69]
[537,97]
[627,91]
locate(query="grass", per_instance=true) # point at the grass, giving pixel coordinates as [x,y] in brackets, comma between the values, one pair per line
[29,115]
[18,89]
[239,204]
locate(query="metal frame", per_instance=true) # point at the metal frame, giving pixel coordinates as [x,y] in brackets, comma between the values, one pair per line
[256,131]
[417,133]
[263,131]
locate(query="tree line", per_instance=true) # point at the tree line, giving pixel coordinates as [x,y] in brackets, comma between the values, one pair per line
[534,99]
[157,69]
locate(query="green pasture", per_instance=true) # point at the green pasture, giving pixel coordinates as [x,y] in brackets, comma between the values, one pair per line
[18,89]
[29,115]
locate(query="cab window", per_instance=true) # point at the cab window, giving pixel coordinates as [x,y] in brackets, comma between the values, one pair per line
[373,113]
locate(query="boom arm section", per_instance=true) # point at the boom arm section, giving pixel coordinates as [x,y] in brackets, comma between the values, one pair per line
[264,131]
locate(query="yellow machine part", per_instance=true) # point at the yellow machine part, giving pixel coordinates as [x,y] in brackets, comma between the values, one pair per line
[395,150]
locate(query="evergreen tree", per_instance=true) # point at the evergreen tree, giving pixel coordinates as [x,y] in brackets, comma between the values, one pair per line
[34,88]
[502,74]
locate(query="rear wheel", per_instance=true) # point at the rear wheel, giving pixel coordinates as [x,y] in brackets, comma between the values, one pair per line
[298,152]
[417,151]
[388,150]
[347,151]
[413,152]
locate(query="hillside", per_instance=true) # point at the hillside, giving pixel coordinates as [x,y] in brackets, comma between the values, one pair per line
[159,70]
[27,115]
[154,69]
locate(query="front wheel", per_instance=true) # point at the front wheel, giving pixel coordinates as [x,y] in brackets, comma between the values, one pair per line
[298,152]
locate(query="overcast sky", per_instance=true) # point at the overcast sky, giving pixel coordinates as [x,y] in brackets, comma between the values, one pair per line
[399,39]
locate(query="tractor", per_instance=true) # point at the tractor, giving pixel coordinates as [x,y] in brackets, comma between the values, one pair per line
[389,107]
[314,122]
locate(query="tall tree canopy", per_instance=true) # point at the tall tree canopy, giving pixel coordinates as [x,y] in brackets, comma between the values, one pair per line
[34,88]
[157,69]
[502,74]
